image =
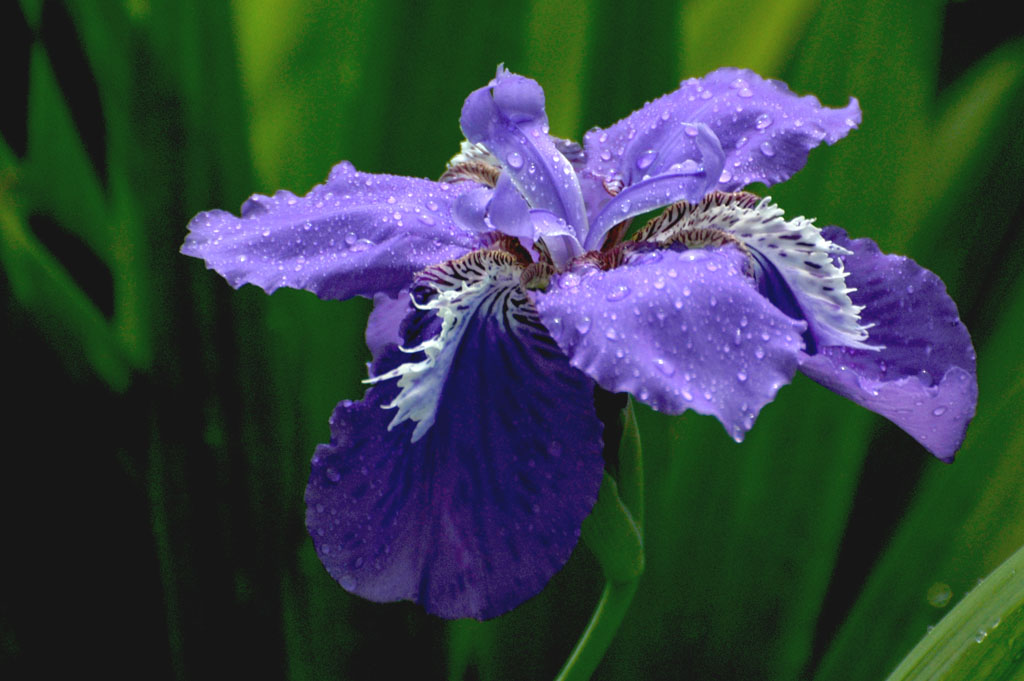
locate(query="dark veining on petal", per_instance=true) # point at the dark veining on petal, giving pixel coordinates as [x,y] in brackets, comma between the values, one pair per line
[480,172]
[684,215]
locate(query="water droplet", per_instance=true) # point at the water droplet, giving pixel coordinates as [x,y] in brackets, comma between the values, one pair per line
[583,324]
[427,220]
[515,160]
[939,594]
[610,334]
[348,583]
[664,367]
[689,167]
[391,199]
[617,293]
[767,149]
[938,411]
[606,155]
[726,176]
[350,238]
[763,121]
[332,474]
[759,352]
[361,245]
[432,205]
[741,376]
[646,159]
[745,92]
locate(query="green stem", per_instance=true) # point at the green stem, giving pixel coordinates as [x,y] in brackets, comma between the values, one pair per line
[614,531]
[600,632]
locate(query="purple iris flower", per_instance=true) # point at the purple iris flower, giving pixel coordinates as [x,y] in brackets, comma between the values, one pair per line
[507,291]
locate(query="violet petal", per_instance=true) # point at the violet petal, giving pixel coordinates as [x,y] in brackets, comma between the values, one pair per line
[765,129]
[356,234]
[679,330]
[924,379]
[507,117]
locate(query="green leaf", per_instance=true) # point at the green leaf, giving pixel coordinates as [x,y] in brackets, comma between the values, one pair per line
[981,639]
[614,536]
[753,29]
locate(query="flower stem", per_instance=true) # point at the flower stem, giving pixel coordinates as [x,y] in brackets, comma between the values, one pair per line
[603,626]
[614,531]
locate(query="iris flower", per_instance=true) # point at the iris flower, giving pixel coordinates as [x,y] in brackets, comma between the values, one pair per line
[506,292]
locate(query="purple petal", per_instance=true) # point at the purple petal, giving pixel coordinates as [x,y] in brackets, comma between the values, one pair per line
[356,234]
[508,211]
[688,181]
[384,326]
[924,379]
[475,516]
[679,330]
[765,130]
[507,117]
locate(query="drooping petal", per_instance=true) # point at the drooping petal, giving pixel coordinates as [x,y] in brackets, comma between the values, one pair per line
[924,379]
[507,117]
[356,234]
[474,515]
[679,330]
[764,128]
[794,263]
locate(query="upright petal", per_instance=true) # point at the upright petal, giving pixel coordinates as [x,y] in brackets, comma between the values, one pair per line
[474,515]
[507,117]
[679,330]
[765,130]
[356,234]
[686,181]
[924,379]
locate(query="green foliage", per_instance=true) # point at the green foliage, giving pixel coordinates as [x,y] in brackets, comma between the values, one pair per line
[807,552]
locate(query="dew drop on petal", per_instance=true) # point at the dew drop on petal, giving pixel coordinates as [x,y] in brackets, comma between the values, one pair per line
[767,148]
[664,367]
[617,293]
[763,121]
[646,159]
[938,411]
[515,160]
[583,324]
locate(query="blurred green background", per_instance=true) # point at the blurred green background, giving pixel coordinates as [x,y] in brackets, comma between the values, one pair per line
[160,424]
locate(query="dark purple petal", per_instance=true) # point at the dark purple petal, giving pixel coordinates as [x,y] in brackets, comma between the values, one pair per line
[924,379]
[474,515]
[507,117]
[765,130]
[679,330]
[356,234]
